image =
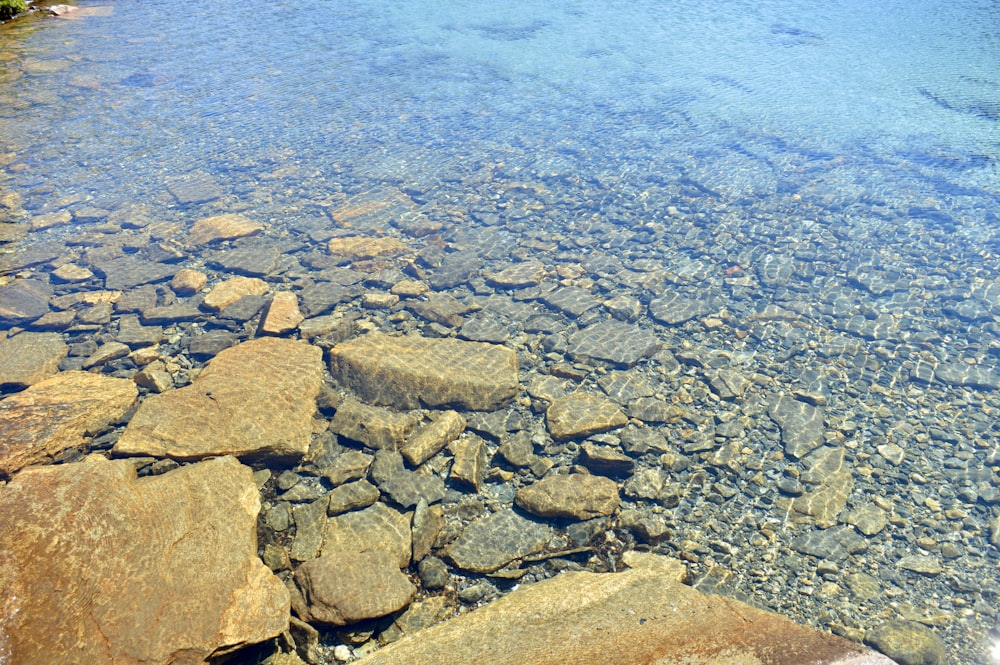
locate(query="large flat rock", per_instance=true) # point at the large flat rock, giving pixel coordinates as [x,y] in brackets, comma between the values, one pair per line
[253,400]
[97,566]
[58,413]
[411,372]
[581,414]
[28,358]
[614,342]
[627,618]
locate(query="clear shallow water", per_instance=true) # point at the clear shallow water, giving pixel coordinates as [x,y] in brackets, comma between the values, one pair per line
[801,148]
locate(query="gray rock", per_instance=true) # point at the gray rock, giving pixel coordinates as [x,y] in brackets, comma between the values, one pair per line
[408,488]
[433,573]
[623,387]
[995,532]
[621,344]
[469,463]
[973,376]
[582,414]
[652,410]
[518,449]
[801,425]
[674,310]
[908,643]
[571,300]
[604,460]
[350,465]
[493,541]
[869,519]
[136,335]
[126,272]
[518,275]
[440,308]
[24,300]
[921,563]
[834,544]
[484,328]
[378,528]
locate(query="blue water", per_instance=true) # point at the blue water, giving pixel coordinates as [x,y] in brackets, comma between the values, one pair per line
[775,127]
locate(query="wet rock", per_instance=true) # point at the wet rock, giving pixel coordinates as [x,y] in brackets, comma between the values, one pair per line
[28,358]
[455,269]
[484,328]
[582,414]
[469,463]
[834,544]
[349,587]
[310,523]
[230,291]
[571,300]
[921,563]
[429,439]
[255,259]
[614,342]
[825,502]
[222,227]
[24,300]
[652,410]
[624,307]
[57,413]
[973,376]
[518,275]
[323,296]
[869,519]
[282,315]
[374,210]
[995,532]
[642,440]
[407,488]
[350,465]
[256,399]
[727,384]
[575,496]
[127,272]
[433,573]
[623,387]
[427,524]
[635,616]
[211,343]
[801,425]
[243,309]
[604,460]
[89,578]
[908,643]
[70,272]
[187,282]
[106,353]
[194,187]
[491,542]
[377,529]
[373,426]
[674,310]
[518,449]
[409,372]
[440,308]
[136,335]
[354,248]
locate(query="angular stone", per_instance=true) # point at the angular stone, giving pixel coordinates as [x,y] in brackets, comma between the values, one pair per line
[973,376]
[614,342]
[605,460]
[90,578]
[484,328]
[825,502]
[623,387]
[349,587]
[408,488]
[376,209]
[410,372]
[28,358]
[282,314]
[373,426]
[355,248]
[908,643]
[518,450]
[571,300]
[57,413]
[106,353]
[350,465]
[674,310]
[493,541]
[222,227]
[228,292]
[634,616]
[130,271]
[24,300]
[869,519]
[194,187]
[518,275]
[429,439]
[255,258]
[310,525]
[70,272]
[469,465]
[801,425]
[575,496]
[256,400]
[921,563]
[377,529]
[834,544]
[351,496]
[995,532]
[440,308]
[727,384]
[154,377]
[652,410]
[427,524]
[581,414]
[187,282]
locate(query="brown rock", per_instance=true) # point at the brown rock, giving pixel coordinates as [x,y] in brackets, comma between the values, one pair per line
[99,567]
[429,439]
[409,372]
[470,462]
[57,413]
[226,293]
[582,414]
[373,426]
[106,353]
[351,586]
[282,315]
[28,358]
[577,496]
[70,272]
[222,227]
[186,281]
[359,247]
[377,529]
[518,276]
[256,399]
[635,616]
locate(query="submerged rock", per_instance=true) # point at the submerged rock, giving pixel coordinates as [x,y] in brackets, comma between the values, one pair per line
[801,425]
[410,372]
[576,496]
[161,569]
[908,643]
[635,616]
[614,342]
[582,414]
[254,400]
[28,358]
[222,227]
[57,413]
[493,541]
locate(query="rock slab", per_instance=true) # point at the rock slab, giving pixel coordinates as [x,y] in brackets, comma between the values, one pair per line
[411,372]
[575,496]
[28,358]
[162,569]
[253,400]
[57,413]
[582,414]
[636,616]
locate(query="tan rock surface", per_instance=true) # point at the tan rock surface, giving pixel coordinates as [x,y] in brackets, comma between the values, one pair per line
[582,414]
[222,227]
[432,437]
[410,372]
[253,400]
[576,496]
[97,566]
[371,425]
[58,413]
[28,358]
[361,247]
[188,281]
[627,618]
[282,315]
[226,293]
[350,587]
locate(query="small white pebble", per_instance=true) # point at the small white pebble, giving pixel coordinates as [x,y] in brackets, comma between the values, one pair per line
[342,653]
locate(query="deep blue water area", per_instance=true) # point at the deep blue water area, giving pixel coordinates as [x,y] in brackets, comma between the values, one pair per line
[819,184]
